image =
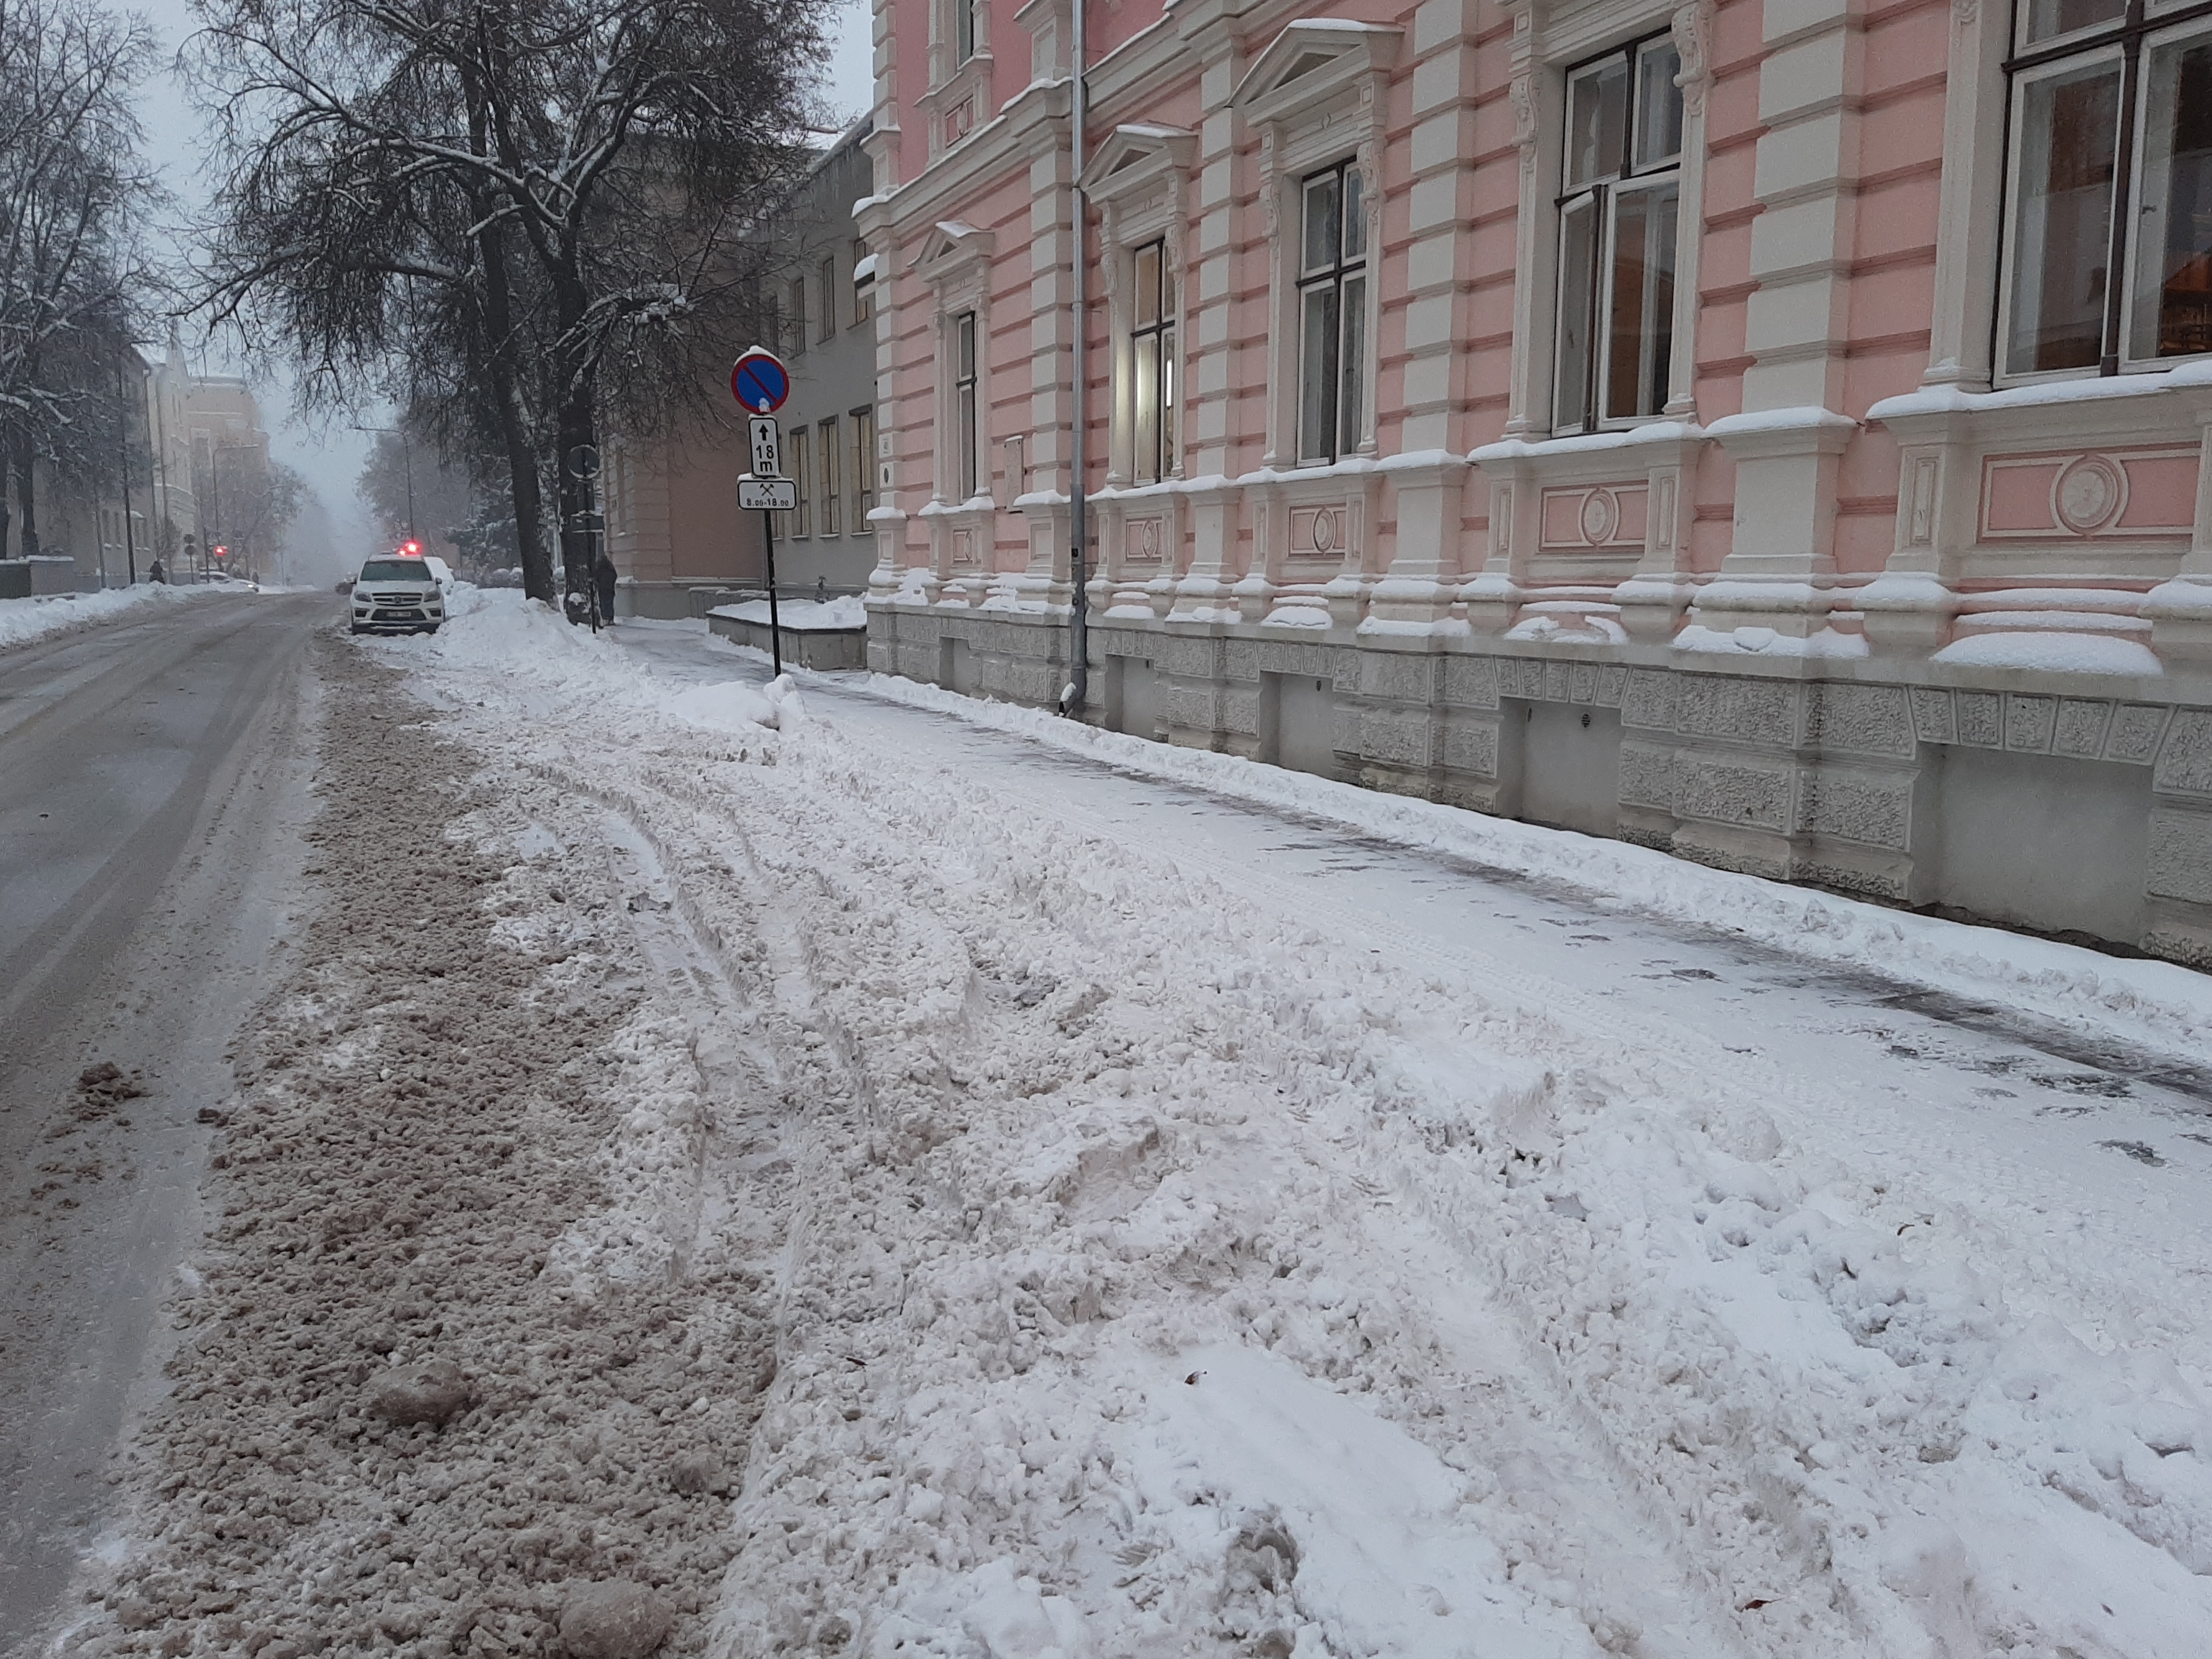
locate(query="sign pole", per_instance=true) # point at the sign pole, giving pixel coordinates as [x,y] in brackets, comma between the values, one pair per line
[775,618]
[760,383]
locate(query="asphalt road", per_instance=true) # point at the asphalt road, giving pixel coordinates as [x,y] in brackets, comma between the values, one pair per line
[153,780]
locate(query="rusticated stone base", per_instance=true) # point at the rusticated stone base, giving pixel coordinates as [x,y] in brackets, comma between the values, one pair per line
[2063,803]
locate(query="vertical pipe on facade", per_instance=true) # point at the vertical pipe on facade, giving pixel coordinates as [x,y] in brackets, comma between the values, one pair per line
[1078,648]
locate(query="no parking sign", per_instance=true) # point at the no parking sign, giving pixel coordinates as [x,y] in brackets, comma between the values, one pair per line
[760,382]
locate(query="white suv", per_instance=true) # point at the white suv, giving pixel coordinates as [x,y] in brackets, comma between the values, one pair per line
[397,595]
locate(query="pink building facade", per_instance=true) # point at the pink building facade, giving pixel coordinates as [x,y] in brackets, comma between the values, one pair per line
[1772,431]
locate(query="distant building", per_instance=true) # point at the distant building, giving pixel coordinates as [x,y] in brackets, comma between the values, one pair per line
[673,525]
[1772,430]
[229,464]
[90,534]
[190,441]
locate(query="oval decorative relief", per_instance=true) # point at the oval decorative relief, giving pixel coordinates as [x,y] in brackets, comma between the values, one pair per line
[2089,493]
[1601,517]
[1324,533]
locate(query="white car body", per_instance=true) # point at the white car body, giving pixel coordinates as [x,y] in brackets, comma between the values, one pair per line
[396,594]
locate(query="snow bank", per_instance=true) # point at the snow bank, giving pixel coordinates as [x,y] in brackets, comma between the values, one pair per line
[499,635]
[23,621]
[802,616]
[2018,644]
[2157,998]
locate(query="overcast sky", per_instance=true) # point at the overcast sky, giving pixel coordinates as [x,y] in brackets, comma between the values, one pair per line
[331,457]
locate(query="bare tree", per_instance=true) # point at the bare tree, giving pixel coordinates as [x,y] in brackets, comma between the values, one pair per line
[72,277]
[568,175]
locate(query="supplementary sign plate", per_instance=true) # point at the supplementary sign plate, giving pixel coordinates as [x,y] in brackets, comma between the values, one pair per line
[760,382]
[767,494]
[768,454]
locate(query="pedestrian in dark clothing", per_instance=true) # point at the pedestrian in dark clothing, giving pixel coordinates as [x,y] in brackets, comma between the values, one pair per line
[156,573]
[604,577]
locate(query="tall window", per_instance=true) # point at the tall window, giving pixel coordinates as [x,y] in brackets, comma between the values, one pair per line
[2111,171]
[802,478]
[795,317]
[963,30]
[864,294]
[864,467]
[1622,183]
[1152,346]
[965,436]
[833,506]
[827,322]
[1332,313]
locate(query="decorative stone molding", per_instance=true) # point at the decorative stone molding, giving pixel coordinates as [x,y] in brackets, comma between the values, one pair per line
[1141,536]
[958,99]
[1611,509]
[1051,27]
[2147,492]
[1691,26]
[955,261]
[1313,541]
[2079,482]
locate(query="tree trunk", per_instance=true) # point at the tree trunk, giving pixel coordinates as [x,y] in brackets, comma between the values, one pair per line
[513,429]
[578,428]
[522,477]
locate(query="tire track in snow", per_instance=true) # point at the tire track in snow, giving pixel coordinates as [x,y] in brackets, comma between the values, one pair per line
[823,882]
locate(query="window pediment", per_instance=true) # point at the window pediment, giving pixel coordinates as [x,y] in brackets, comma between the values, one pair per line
[1312,61]
[953,250]
[1136,158]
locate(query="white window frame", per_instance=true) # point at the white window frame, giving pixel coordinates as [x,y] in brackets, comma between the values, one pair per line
[1548,43]
[955,263]
[1353,331]
[1317,96]
[1165,441]
[827,441]
[2130,41]
[1140,181]
[965,362]
[1602,194]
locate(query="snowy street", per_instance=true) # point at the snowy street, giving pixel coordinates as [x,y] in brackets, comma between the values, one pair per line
[893,1173]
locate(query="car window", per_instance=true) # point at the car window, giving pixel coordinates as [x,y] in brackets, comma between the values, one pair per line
[395,570]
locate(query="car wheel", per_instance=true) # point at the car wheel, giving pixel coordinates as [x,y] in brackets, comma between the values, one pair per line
[432,628]
[358,628]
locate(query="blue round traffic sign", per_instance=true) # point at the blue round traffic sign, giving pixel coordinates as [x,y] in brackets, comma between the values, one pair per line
[760,382]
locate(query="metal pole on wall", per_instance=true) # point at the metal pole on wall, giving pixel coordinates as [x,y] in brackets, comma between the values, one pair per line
[123,468]
[1078,645]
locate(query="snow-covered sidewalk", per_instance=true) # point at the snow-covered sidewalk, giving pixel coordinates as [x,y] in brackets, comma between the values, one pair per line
[1196,1209]
[1177,1271]
[23,621]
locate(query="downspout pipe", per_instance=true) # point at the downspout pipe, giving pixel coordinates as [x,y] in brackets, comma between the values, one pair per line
[1078,643]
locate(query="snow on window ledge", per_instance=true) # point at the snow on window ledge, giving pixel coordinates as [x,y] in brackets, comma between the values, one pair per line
[2194,374]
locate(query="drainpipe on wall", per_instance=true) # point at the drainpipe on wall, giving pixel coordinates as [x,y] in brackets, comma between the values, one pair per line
[1079,649]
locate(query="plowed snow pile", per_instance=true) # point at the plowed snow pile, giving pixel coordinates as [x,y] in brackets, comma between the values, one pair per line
[1142,1274]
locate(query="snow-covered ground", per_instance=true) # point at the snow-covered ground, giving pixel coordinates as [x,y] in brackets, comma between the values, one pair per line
[23,621]
[1225,1212]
